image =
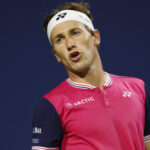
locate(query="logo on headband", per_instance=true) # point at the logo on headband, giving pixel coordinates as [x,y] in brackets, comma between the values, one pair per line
[61,16]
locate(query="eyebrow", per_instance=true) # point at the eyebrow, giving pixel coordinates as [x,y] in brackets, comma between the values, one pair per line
[61,34]
[74,29]
[58,35]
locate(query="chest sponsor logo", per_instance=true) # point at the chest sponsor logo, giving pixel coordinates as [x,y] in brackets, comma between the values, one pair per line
[81,102]
[127,94]
[37,130]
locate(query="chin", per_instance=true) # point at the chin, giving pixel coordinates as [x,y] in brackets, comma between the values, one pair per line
[81,70]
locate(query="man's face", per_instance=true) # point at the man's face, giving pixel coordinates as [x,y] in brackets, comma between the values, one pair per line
[74,46]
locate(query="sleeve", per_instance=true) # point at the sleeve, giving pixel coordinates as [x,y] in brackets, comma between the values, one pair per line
[147,116]
[47,130]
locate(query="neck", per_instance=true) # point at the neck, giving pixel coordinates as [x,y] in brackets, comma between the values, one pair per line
[93,76]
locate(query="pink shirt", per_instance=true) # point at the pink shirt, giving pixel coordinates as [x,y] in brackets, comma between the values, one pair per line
[76,116]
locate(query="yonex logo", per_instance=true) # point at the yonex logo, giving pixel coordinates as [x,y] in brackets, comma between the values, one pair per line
[61,16]
[127,94]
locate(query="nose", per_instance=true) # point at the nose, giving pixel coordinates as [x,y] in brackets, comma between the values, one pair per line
[70,43]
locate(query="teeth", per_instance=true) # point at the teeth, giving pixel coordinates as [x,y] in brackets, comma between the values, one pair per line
[75,54]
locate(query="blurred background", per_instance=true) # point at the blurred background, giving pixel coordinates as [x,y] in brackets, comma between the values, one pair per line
[28,70]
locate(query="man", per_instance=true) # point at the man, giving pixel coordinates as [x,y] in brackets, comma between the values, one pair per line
[91,110]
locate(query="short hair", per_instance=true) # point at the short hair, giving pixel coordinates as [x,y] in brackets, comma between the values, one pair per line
[78,6]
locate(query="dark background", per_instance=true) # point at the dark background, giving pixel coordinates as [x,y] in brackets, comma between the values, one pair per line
[28,70]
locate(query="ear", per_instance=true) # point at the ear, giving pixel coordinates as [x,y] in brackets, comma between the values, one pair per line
[97,37]
[56,55]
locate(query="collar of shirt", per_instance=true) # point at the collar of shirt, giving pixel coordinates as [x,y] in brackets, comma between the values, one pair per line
[88,86]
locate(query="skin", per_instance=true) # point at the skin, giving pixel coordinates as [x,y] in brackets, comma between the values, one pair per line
[71,36]
[147,145]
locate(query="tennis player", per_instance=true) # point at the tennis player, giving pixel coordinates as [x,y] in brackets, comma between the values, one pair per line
[92,109]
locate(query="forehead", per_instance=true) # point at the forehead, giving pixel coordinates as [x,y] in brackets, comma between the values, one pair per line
[65,27]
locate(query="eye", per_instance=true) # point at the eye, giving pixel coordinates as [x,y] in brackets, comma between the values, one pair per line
[59,40]
[76,32]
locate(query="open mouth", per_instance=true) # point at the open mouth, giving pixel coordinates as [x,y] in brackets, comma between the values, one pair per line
[75,56]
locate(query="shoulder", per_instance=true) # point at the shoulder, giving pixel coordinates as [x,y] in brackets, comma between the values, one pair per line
[56,96]
[57,91]
[127,80]
[133,83]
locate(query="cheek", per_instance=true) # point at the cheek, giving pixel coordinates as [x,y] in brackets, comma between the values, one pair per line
[89,45]
[60,51]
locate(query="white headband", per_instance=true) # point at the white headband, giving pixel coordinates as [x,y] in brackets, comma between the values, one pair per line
[67,15]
